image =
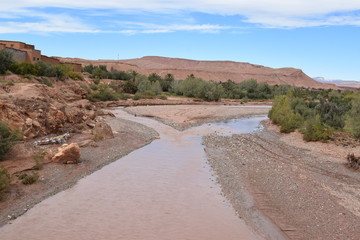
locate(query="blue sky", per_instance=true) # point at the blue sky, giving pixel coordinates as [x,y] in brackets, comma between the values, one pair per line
[319,36]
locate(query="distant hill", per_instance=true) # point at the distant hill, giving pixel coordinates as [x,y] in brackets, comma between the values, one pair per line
[209,70]
[340,83]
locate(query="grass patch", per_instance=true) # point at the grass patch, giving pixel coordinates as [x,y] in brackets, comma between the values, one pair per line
[4,182]
[28,179]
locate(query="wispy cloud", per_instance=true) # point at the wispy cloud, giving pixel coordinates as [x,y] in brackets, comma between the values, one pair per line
[35,21]
[22,15]
[141,27]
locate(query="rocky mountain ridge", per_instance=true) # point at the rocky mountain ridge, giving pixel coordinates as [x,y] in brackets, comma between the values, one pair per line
[209,70]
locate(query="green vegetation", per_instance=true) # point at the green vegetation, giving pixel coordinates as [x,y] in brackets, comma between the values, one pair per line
[6,60]
[4,182]
[317,113]
[8,138]
[39,160]
[27,70]
[352,118]
[28,179]
[101,72]
[198,88]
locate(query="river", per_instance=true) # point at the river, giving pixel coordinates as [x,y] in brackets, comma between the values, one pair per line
[165,190]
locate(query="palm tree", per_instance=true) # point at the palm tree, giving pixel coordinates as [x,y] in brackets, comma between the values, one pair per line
[169,77]
[134,74]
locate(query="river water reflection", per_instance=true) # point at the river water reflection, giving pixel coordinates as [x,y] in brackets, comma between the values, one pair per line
[164,190]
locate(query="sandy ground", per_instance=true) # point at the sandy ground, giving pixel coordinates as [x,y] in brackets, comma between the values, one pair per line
[55,177]
[185,116]
[304,188]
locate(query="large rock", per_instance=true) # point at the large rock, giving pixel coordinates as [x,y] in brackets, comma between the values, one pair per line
[68,154]
[102,131]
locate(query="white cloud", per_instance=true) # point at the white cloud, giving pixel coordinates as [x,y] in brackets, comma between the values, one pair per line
[43,22]
[148,28]
[264,13]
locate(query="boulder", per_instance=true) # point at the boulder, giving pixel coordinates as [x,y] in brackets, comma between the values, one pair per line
[102,131]
[68,154]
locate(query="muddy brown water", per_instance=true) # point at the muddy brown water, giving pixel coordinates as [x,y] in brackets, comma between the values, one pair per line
[165,190]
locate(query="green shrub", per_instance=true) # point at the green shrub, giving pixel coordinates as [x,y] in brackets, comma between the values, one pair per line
[315,130]
[96,81]
[130,87]
[25,68]
[104,93]
[85,87]
[137,96]
[282,114]
[29,179]
[352,123]
[6,60]
[76,76]
[198,88]
[163,97]
[4,182]
[39,159]
[8,138]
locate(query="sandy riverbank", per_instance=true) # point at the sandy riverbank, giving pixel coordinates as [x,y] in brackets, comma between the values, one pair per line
[185,116]
[304,188]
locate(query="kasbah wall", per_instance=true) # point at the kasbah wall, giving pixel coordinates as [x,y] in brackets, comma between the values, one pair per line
[23,52]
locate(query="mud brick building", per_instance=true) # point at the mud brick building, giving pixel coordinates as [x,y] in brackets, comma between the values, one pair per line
[23,52]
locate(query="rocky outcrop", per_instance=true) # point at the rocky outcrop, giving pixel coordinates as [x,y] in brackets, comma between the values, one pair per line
[102,131]
[38,110]
[67,154]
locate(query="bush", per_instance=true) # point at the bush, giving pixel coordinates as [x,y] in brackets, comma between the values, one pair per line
[4,182]
[130,87]
[46,81]
[6,60]
[315,130]
[282,114]
[96,81]
[28,179]
[353,161]
[25,68]
[104,93]
[47,69]
[352,124]
[7,138]
[151,88]
[39,159]
[76,76]
[198,88]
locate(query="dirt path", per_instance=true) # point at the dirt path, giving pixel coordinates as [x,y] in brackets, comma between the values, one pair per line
[309,195]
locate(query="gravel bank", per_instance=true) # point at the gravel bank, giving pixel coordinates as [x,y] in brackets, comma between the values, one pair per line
[54,178]
[308,195]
